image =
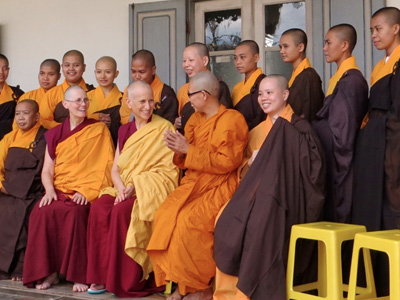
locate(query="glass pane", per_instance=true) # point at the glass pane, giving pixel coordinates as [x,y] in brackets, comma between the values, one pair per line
[223,29]
[223,67]
[275,65]
[280,17]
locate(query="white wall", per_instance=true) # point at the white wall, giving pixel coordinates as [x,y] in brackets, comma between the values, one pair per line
[33,30]
[395,3]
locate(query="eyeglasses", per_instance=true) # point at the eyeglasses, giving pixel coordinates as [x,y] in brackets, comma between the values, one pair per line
[199,91]
[79,101]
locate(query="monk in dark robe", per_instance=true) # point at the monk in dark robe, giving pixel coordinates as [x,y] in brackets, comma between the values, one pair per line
[143,67]
[120,221]
[8,98]
[245,93]
[377,192]
[196,58]
[284,186]
[21,162]
[51,108]
[306,95]
[77,166]
[339,120]
[181,247]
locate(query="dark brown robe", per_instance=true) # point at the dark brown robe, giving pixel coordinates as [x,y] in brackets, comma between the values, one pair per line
[306,96]
[337,125]
[23,184]
[7,111]
[168,105]
[284,186]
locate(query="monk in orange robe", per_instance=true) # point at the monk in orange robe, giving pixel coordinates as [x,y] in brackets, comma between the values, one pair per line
[51,108]
[143,67]
[8,98]
[21,161]
[105,100]
[306,95]
[77,166]
[245,93]
[181,247]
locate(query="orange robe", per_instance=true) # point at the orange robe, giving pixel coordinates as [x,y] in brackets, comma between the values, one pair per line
[99,102]
[36,95]
[49,103]
[181,247]
[6,94]
[241,89]
[183,97]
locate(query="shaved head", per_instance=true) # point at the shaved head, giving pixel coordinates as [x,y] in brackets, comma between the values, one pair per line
[251,44]
[32,103]
[71,90]
[108,59]
[75,53]
[298,35]
[201,49]
[346,33]
[206,81]
[280,80]
[136,86]
[392,15]
[51,63]
[146,56]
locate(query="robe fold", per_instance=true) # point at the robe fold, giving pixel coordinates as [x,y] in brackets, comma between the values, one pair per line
[337,126]
[8,101]
[181,247]
[83,159]
[146,163]
[284,186]
[36,95]
[245,99]
[306,95]
[165,102]
[21,161]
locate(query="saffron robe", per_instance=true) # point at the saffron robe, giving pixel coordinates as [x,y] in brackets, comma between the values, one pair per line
[245,99]
[306,95]
[146,163]
[83,159]
[181,247]
[8,101]
[337,126]
[52,112]
[284,186]
[187,109]
[166,104]
[36,95]
[21,161]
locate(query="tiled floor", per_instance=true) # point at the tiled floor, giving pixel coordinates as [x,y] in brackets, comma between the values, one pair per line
[10,290]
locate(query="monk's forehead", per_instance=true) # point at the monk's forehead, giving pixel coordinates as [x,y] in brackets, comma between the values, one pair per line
[73,58]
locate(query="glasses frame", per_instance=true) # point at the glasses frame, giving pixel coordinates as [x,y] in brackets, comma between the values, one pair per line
[196,92]
[79,101]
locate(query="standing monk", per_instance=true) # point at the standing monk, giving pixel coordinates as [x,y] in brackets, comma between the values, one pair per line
[77,166]
[181,247]
[8,98]
[339,120]
[196,59]
[21,162]
[120,221]
[306,95]
[245,93]
[51,108]
[143,67]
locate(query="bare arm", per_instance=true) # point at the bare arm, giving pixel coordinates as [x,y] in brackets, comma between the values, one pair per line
[123,191]
[47,180]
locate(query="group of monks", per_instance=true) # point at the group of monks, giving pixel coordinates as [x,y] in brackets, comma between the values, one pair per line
[127,192]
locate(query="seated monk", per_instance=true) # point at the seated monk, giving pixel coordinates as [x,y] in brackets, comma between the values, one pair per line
[120,221]
[284,186]
[21,162]
[77,166]
[181,247]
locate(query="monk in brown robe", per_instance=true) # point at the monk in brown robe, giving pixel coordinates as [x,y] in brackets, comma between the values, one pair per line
[245,93]
[284,186]
[8,98]
[51,108]
[143,67]
[181,247]
[120,221]
[339,120]
[196,58]
[77,166]
[21,162]
[306,95]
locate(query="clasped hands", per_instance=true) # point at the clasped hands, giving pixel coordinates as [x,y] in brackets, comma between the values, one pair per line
[176,142]
[78,198]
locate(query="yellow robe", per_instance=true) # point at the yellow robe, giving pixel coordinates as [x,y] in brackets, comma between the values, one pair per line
[146,163]
[6,94]
[383,67]
[181,247]
[183,97]
[48,104]
[83,162]
[36,95]
[243,88]
[125,112]
[99,102]
[348,64]
[305,63]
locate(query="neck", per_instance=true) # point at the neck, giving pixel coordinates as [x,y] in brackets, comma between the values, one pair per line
[297,62]
[390,49]
[140,123]
[107,89]
[275,115]
[248,74]
[74,83]
[1,86]
[74,122]
[341,60]
[212,110]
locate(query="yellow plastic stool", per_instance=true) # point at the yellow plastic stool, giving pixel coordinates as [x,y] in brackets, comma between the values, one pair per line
[387,241]
[330,237]
[168,289]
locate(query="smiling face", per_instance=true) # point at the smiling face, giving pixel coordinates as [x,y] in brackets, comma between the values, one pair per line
[384,35]
[25,116]
[105,73]
[141,102]
[192,62]
[73,69]
[271,97]
[48,77]
[77,103]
